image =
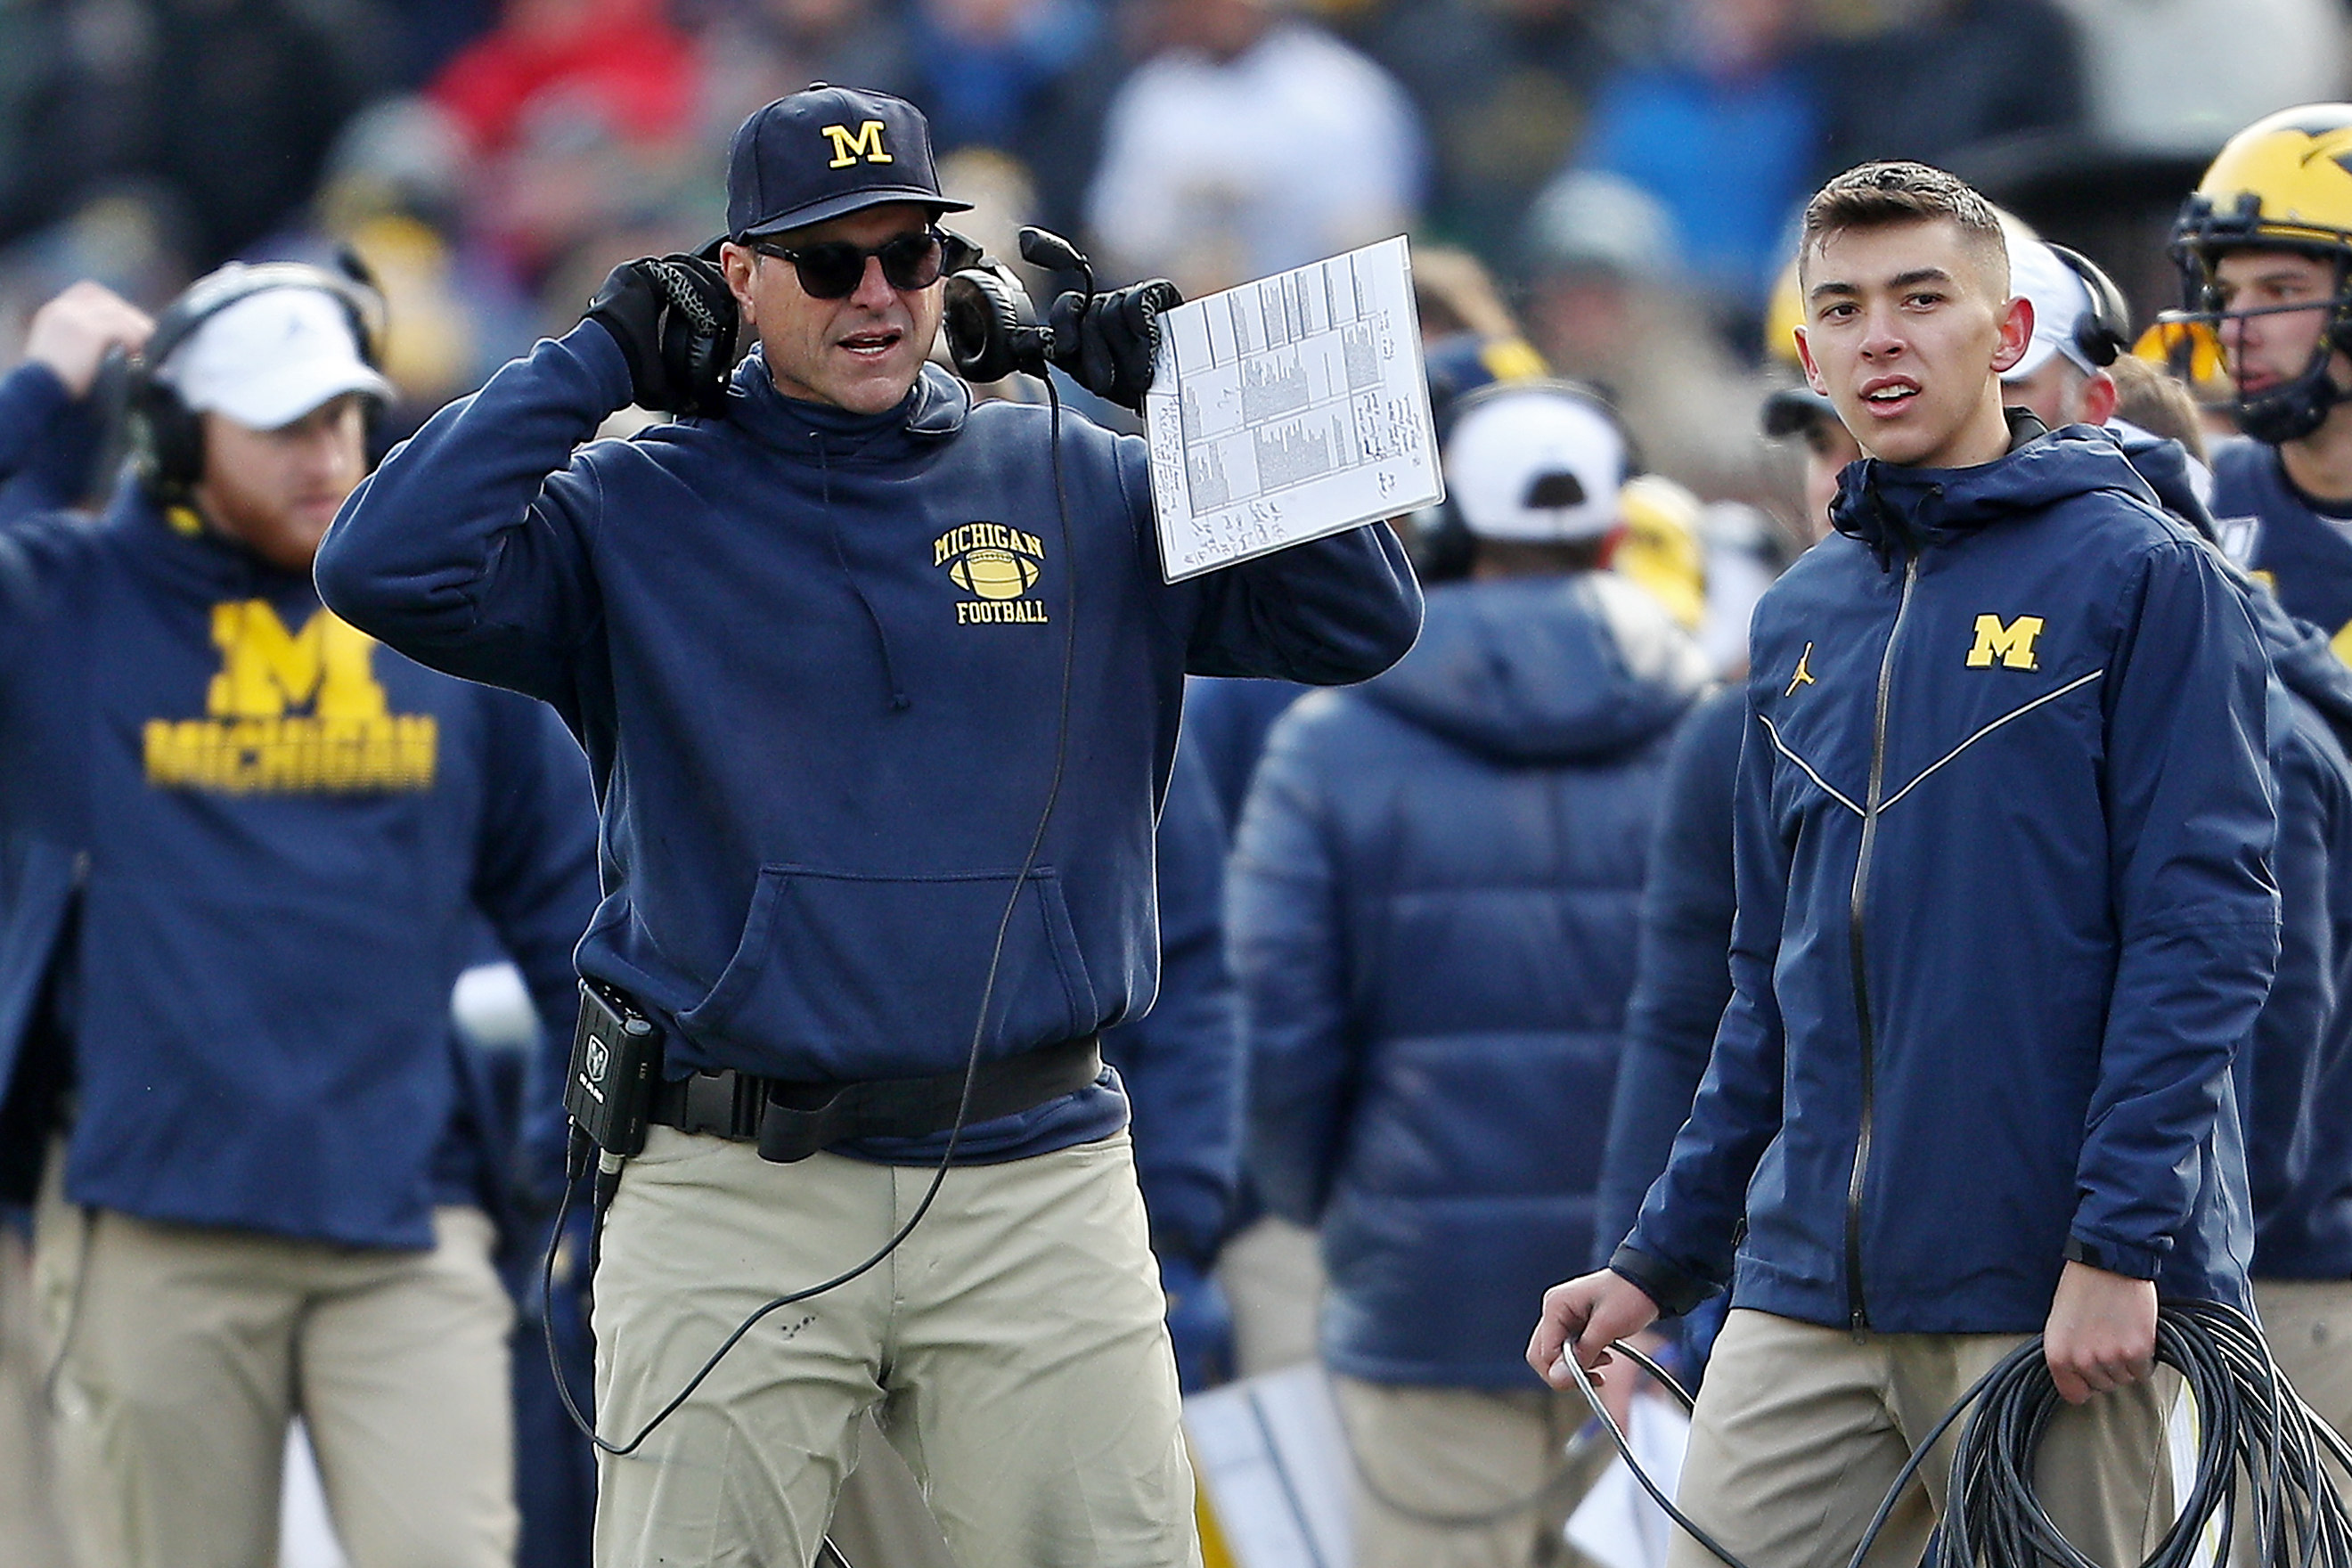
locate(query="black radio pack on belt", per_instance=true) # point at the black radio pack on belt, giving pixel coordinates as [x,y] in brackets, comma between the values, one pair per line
[616,1062]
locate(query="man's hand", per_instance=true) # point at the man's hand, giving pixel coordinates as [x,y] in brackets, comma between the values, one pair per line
[1584,1315]
[1108,342]
[676,322]
[72,333]
[2102,1331]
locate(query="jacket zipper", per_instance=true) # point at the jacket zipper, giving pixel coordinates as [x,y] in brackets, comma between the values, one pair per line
[1855,1311]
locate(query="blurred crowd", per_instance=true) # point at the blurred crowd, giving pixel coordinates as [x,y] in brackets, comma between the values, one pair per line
[1628,167]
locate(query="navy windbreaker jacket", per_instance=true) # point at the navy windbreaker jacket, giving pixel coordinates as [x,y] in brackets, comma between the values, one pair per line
[1181,1062]
[816,658]
[2295,1086]
[1682,978]
[2003,834]
[1431,916]
[2308,558]
[244,849]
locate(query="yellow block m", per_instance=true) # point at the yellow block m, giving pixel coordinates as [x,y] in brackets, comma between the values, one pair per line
[2012,644]
[847,146]
[267,672]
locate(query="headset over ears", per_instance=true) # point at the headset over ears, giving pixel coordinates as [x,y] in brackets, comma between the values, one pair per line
[167,444]
[2104,332]
[992,325]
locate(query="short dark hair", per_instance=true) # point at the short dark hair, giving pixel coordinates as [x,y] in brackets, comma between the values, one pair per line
[1873,196]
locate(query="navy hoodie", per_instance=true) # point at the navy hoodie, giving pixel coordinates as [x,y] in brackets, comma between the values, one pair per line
[245,847]
[1431,912]
[2005,912]
[816,659]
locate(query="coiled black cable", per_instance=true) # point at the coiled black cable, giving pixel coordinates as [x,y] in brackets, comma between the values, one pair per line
[2259,1445]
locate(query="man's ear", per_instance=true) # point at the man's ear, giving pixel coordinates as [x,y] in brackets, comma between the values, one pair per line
[1805,358]
[737,262]
[2016,334]
[2100,396]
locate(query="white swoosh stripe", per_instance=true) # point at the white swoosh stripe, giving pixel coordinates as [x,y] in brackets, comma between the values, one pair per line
[1980,734]
[1801,762]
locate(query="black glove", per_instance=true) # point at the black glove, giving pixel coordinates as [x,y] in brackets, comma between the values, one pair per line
[674,316]
[1107,341]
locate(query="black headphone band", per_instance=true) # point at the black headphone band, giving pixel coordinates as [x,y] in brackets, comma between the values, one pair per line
[1574,392]
[238,281]
[2105,332]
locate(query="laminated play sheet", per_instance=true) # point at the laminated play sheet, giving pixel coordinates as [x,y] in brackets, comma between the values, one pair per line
[1289,408]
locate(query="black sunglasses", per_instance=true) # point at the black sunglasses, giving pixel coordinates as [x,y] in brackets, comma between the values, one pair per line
[833,269]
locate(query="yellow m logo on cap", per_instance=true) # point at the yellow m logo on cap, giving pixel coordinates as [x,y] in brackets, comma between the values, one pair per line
[2012,644]
[848,146]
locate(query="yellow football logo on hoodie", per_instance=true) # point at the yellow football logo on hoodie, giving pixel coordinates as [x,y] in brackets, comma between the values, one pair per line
[998,566]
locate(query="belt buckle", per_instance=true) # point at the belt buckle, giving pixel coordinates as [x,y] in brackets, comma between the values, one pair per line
[709,1104]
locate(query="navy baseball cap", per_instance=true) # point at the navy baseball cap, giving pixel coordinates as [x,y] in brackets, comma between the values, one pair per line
[824,151]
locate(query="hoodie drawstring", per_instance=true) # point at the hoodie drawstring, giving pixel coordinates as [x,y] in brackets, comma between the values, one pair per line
[899,699]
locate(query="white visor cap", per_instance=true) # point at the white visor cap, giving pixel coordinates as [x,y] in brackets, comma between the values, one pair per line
[1536,465]
[271,358]
[2060,302]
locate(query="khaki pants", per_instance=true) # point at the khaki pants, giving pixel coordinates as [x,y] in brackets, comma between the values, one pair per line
[1457,1478]
[1014,1345]
[1801,1429]
[1273,1276]
[186,1351]
[30,1533]
[2308,1323]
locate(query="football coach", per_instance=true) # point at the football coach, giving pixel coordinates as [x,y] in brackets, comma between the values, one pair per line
[880,690]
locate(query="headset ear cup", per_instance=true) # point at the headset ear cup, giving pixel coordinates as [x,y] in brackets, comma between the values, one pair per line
[992,326]
[167,441]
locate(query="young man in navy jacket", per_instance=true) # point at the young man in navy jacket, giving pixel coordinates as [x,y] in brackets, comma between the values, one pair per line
[2006,911]
[246,853]
[817,650]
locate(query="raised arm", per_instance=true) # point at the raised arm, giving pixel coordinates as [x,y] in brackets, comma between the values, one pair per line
[466,549]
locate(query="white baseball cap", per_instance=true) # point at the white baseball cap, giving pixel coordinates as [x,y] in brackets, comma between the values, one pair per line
[271,357]
[2060,302]
[1536,463]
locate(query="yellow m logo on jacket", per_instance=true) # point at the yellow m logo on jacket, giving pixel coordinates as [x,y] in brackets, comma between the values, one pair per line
[291,712]
[2011,643]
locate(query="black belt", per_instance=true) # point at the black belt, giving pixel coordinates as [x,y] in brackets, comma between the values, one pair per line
[791,1119]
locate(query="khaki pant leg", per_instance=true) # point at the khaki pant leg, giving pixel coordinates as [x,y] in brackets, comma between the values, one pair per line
[174,1388]
[703,1233]
[2308,1323]
[2103,1471]
[880,1519]
[1794,1442]
[1428,1461]
[1033,1390]
[401,1361]
[1273,1276]
[32,1535]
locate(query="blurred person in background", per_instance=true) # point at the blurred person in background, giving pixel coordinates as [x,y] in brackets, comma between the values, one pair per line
[579,116]
[1431,912]
[1249,141]
[1724,132]
[1607,305]
[249,852]
[229,104]
[1505,87]
[2266,240]
[1931,79]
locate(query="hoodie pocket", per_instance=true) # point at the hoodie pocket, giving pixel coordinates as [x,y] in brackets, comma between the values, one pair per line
[847,975]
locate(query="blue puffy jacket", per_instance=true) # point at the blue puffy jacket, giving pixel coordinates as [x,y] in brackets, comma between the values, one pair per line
[1432,917]
[2006,912]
